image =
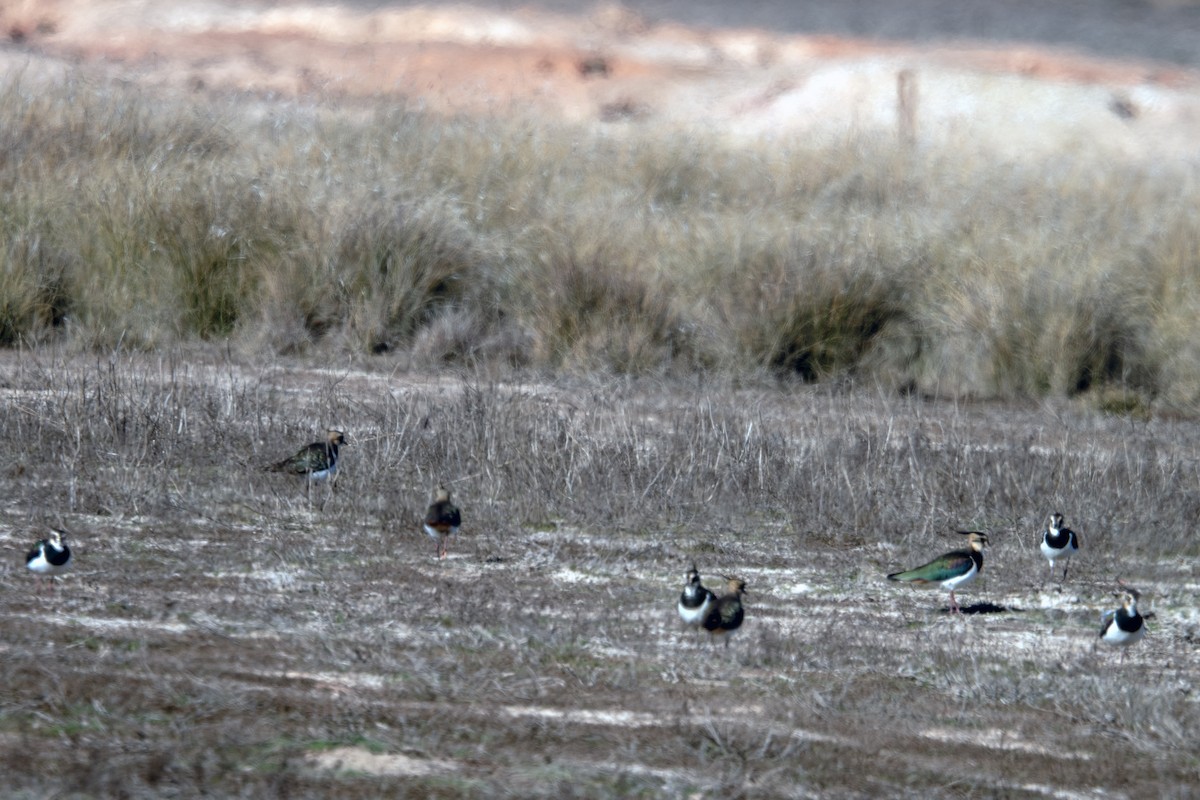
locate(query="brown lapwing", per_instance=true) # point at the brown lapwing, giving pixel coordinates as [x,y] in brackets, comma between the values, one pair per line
[1059,543]
[695,601]
[726,614]
[951,570]
[442,519]
[1123,626]
[50,556]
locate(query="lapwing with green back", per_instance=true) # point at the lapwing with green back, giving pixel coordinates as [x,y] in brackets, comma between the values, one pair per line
[1059,543]
[316,462]
[726,614]
[49,557]
[695,601]
[442,519]
[952,570]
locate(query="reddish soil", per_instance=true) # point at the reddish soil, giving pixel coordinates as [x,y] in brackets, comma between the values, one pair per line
[608,64]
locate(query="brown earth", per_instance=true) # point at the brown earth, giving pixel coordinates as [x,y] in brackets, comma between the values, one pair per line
[609,64]
[225,632]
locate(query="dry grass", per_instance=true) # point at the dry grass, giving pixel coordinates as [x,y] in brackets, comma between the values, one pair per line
[221,635]
[142,221]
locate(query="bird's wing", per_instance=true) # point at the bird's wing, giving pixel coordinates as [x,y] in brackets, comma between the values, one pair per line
[443,515]
[313,458]
[942,568]
[730,609]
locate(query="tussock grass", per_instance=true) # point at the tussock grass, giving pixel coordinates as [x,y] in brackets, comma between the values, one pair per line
[143,220]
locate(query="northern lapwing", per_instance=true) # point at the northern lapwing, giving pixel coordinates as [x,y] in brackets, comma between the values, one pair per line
[952,570]
[50,556]
[695,601]
[1059,543]
[316,462]
[1123,626]
[726,614]
[442,519]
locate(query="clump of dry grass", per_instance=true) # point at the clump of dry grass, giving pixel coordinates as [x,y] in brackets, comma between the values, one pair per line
[592,312]
[34,296]
[488,241]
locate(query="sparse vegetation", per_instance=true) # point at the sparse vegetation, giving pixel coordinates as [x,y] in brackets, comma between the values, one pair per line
[221,635]
[625,351]
[144,222]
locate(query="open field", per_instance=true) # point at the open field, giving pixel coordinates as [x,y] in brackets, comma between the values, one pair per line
[220,634]
[791,306]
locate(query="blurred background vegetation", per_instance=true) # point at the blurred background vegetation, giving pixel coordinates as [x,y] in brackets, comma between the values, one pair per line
[139,222]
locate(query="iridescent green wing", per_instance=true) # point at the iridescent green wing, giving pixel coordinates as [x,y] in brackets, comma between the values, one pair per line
[942,568]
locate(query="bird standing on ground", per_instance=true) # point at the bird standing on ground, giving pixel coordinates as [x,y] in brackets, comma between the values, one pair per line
[1059,543]
[726,614]
[695,601]
[1123,626]
[317,461]
[951,570]
[442,519]
[50,556]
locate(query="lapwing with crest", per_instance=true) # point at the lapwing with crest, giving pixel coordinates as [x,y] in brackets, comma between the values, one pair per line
[1123,626]
[1059,543]
[951,570]
[50,556]
[317,462]
[695,601]
[726,614]
[442,519]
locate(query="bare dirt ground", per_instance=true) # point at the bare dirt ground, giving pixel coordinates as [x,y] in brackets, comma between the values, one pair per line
[223,634]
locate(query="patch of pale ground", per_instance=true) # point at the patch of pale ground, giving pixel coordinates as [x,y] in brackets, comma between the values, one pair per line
[1013,102]
[998,739]
[359,759]
[183,590]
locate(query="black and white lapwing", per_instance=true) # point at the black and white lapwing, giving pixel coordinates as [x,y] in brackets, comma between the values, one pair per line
[951,570]
[317,461]
[1059,543]
[726,614]
[50,556]
[442,519]
[695,601]
[1123,626]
